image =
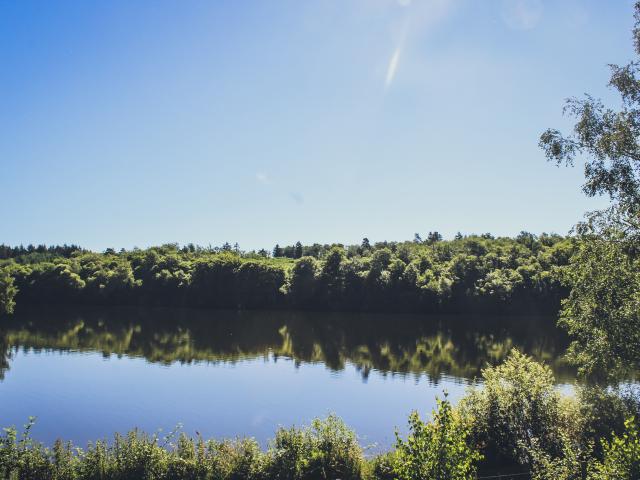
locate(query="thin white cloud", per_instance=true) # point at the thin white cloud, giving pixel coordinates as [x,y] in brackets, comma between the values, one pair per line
[263,178]
[393,67]
[416,20]
[521,14]
[401,35]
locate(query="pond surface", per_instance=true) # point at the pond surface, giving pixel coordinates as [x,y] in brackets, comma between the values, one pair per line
[87,373]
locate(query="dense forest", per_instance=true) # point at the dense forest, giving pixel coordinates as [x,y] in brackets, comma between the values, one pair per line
[468,273]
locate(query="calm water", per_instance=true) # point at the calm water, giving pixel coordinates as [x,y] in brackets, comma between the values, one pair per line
[86,373]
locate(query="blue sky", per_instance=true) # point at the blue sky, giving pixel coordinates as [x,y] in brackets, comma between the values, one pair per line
[139,123]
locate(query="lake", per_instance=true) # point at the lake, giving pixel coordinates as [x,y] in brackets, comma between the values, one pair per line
[86,373]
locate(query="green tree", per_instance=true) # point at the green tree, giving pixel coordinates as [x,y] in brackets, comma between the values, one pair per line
[433,237]
[8,292]
[445,276]
[303,281]
[380,261]
[258,284]
[332,277]
[437,450]
[602,310]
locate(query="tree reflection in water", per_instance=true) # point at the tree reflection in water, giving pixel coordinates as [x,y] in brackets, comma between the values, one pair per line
[456,346]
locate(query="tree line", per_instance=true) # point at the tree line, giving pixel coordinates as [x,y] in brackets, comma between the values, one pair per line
[42,250]
[468,273]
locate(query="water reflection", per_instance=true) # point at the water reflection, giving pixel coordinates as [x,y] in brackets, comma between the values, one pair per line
[444,346]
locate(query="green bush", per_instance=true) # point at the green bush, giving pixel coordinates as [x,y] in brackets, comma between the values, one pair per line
[325,450]
[621,460]
[23,459]
[436,450]
[602,413]
[516,410]
[621,456]
[382,467]
[572,464]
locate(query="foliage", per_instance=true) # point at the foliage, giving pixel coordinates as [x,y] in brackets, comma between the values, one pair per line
[40,252]
[383,466]
[620,459]
[473,273]
[516,410]
[325,450]
[621,455]
[436,450]
[601,312]
[258,284]
[608,139]
[8,292]
[602,412]
[303,282]
[573,463]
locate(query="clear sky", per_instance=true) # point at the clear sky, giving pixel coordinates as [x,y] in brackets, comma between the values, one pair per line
[136,123]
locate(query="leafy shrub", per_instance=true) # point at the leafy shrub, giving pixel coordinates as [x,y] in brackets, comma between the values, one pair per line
[602,413]
[621,456]
[621,460]
[436,450]
[517,409]
[572,464]
[325,450]
[383,466]
[236,459]
[22,458]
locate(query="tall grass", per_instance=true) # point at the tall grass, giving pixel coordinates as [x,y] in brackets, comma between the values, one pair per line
[325,450]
